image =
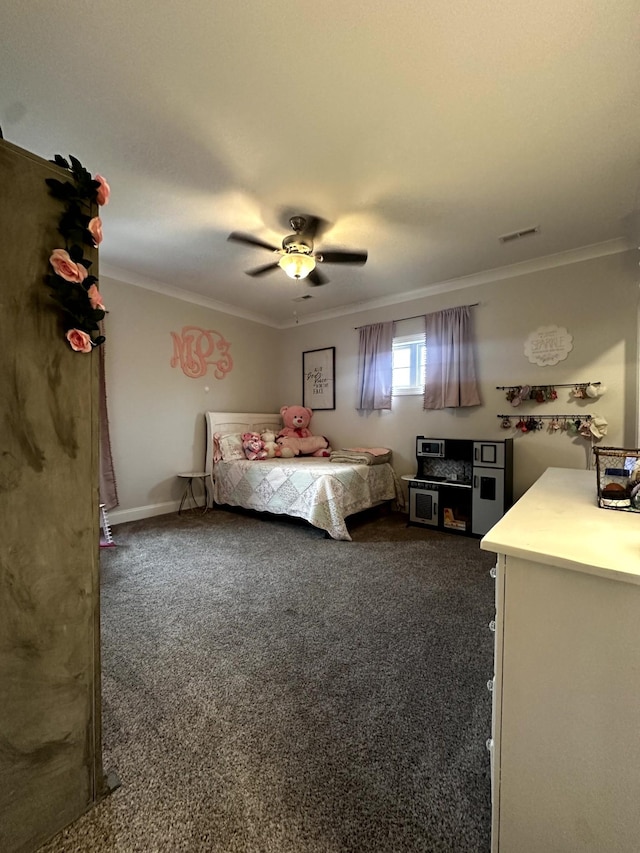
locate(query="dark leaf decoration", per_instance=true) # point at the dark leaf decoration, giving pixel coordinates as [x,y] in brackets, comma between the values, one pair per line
[75,253]
[64,191]
[59,160]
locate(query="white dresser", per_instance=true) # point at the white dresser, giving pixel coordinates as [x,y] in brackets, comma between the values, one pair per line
[565,738]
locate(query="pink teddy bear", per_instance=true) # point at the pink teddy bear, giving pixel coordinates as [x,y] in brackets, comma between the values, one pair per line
[296,420]
[253,446]
[311,445]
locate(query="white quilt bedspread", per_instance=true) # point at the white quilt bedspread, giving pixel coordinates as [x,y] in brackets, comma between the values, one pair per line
[322,492]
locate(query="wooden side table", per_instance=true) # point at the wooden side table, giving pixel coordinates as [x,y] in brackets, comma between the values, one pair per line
[188,496]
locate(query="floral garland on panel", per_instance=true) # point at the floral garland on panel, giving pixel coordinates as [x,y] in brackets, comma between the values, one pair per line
[73,287]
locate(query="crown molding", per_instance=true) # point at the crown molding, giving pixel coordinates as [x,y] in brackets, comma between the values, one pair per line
[127,277]
[560,259]
[572,256]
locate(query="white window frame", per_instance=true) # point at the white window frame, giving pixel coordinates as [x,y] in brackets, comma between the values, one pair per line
[418,340]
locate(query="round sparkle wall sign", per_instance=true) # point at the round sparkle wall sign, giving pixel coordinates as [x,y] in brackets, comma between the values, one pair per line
[548,345]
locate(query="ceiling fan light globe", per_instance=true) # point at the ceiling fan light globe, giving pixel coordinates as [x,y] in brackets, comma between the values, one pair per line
[297,265]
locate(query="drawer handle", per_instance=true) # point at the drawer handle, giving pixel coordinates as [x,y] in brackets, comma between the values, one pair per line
[490,685]
[492,625]
[493,571]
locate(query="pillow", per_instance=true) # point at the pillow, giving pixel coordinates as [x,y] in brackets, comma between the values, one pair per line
[227,448]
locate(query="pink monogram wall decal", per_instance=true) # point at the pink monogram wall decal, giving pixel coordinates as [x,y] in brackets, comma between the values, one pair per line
[193,349]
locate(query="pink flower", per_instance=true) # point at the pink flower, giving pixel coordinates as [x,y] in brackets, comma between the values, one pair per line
[103,191]
[95,229]
[95,298]
[79,341]
[66,268]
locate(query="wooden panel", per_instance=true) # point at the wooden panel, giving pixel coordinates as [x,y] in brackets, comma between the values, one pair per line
[50,750]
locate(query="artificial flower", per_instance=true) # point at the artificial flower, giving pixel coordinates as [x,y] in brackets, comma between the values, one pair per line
[95,229]
[79,341]
[66,268]
[103,192]
[95,298]
[73,289]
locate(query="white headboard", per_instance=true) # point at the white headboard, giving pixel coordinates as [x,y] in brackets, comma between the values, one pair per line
[226,422]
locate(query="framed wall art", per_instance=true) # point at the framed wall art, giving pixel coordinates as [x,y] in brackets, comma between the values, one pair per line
[318,386]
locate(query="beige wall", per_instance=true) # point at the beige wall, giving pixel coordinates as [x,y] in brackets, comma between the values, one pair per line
[597,302]
[155,410]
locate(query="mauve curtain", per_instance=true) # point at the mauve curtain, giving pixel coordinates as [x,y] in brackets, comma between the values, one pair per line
[450,379]
[375,366]
[108,488]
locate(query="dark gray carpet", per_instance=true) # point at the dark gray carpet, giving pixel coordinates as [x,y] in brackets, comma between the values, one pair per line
[267,690]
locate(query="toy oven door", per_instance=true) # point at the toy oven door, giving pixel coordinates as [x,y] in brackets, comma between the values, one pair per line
[424,501]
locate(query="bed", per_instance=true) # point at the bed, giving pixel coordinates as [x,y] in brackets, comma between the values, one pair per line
[322,492]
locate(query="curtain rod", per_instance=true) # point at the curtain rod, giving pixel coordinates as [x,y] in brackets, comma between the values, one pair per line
[417,316]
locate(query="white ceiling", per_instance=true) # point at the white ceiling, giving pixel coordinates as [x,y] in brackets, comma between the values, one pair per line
[422,130]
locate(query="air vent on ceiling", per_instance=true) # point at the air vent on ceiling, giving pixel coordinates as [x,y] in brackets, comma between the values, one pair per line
[302,298]
[516,235]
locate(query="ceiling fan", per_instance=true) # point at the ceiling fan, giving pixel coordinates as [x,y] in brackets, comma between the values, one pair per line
[297,256]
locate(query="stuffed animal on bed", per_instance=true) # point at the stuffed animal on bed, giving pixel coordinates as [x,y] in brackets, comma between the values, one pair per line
[253,446]
[296,420]
[310,445]
[269,440]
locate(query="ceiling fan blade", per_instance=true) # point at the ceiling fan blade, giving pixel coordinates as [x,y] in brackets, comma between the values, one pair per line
[251,241]
[262,270]
[316,278]
[338,257]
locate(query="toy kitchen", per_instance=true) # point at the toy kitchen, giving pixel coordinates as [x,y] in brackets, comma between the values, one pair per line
[461,486]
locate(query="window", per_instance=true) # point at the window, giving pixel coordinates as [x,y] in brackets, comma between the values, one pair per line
[409,360]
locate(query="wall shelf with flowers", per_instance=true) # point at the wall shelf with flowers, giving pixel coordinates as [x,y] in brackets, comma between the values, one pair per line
[588,426]
[73,287]
[517,394]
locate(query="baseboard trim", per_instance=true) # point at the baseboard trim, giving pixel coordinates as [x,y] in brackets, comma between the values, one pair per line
[136,513]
